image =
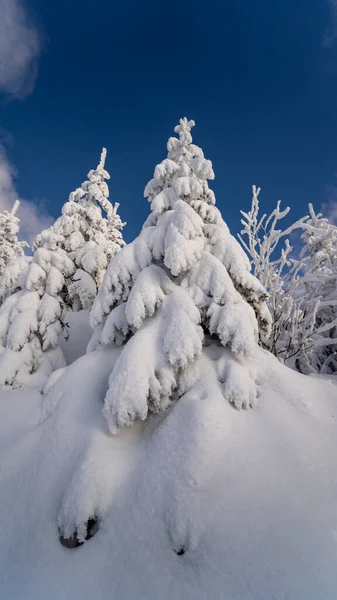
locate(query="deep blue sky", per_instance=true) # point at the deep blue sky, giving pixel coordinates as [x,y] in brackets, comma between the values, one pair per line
[253,74]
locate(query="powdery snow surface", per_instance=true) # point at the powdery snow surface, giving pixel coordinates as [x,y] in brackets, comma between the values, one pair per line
[250,495]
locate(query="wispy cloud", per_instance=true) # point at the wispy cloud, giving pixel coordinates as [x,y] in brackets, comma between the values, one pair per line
[20,47]
[33,216]
[329,207]
[329,210]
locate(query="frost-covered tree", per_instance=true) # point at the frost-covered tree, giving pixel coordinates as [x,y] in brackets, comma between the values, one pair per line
[302,290]
[279,272]
[89,237]
[67,267]
[10,246]
[318,300]
[178,294]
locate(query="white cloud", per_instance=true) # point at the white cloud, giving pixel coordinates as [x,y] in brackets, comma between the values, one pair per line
[20,47]
[329,207]
[330,35]
[329,210]
[33,217]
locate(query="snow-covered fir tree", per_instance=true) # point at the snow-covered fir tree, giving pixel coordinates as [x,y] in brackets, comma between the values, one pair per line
[32,319]
[178,295]
[10,246]
[89,238]
[67,267]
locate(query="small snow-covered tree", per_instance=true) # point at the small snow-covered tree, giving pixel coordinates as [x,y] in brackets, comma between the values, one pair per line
[10,246]
[279,272]
[183,283]
[302,291]
[67,267]
[318,300]
[32,319]
[89,238]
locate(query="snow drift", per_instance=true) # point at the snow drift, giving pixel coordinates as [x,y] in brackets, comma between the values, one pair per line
[206,502]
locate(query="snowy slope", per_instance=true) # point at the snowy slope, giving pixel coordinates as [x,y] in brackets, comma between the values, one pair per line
[250,495]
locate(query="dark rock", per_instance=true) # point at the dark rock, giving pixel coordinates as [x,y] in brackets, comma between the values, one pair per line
[73,541]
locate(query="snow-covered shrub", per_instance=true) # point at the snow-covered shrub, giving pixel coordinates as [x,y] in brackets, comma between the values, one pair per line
[184,282]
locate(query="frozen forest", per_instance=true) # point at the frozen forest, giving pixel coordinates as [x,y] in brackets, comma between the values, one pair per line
[163,400]
[185,271]
[168,300]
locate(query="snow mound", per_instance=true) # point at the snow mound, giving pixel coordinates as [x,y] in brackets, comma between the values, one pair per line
[203,502]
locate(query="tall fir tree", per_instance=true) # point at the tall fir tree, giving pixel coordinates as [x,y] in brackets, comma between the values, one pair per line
[183,285]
